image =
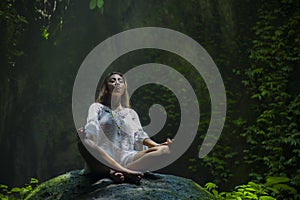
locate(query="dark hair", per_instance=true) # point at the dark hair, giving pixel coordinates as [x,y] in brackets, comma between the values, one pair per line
[103,96]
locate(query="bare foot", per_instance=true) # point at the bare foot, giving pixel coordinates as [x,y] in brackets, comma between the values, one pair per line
[117,177]
[133,178]
[134,173]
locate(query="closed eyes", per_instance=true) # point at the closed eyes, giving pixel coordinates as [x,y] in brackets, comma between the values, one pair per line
[112,80]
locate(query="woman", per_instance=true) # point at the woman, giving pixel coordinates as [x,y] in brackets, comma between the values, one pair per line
[114,134]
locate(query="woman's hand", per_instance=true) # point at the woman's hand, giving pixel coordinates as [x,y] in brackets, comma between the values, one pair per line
[168,142]
[80,130]
[81,133]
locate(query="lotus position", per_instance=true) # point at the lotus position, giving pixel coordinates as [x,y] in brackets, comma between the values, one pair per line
[112,141]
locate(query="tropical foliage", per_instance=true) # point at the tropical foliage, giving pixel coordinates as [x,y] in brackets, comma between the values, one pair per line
[255,44]
[7,193]
[274,188]
[272,134]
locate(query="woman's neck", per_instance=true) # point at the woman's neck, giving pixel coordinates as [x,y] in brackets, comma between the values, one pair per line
[116,107]
[115,103]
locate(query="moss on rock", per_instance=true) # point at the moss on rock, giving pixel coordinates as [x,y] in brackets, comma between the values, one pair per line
[72,185]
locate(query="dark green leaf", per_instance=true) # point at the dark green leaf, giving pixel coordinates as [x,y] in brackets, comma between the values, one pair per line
[93,4]
[100,3]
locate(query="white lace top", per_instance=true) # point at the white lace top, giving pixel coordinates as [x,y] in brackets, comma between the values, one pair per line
[118,133]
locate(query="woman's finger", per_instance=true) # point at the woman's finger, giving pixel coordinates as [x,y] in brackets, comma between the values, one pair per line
[169,141]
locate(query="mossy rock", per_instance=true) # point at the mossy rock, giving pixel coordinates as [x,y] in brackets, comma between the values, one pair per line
[72,185]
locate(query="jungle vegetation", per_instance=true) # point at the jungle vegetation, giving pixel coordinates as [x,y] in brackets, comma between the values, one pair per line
[255,44]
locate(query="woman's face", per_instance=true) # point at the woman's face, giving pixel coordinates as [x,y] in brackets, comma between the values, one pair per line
[116,84]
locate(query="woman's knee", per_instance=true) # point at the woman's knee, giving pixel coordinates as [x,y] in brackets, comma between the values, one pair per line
[94,164]
[164,149]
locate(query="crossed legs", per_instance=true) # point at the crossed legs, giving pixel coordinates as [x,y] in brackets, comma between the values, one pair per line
[99,164]
[144,159]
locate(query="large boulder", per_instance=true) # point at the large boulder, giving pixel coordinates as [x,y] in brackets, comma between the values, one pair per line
[72,185]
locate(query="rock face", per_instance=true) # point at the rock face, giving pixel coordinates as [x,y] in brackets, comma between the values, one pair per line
[72,185]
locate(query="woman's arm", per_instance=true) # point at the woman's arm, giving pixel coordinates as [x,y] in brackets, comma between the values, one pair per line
[150,143]
[142,135]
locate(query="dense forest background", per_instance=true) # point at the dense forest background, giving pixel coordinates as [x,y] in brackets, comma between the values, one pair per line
[255,44]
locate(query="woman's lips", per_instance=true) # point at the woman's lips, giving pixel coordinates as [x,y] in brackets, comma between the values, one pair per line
[117,88]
